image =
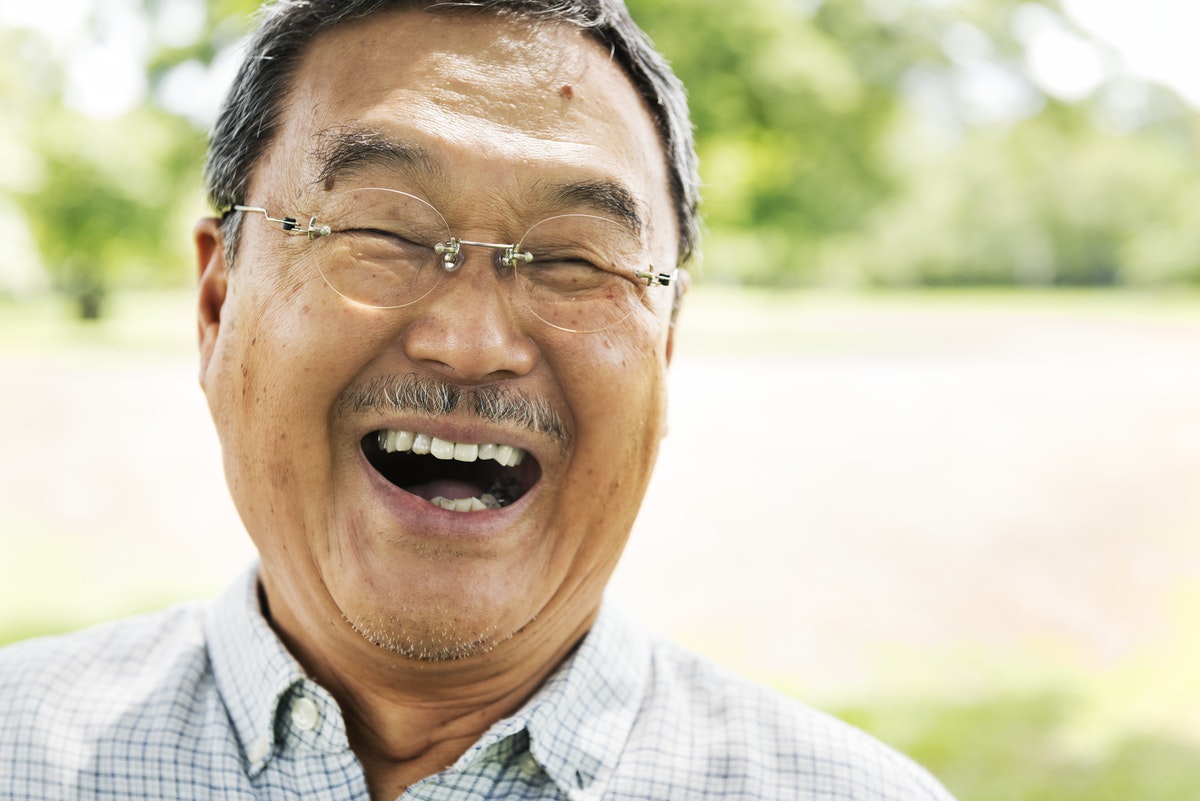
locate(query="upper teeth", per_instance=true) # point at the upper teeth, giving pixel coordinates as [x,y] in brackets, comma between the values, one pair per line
[393,441]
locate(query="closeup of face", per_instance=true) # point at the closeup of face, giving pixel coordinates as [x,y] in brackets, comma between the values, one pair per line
[497,123]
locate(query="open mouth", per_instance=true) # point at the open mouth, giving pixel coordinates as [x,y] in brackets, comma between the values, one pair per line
[456,476]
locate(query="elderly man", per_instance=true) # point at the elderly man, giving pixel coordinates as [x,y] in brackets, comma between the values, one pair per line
[435,320]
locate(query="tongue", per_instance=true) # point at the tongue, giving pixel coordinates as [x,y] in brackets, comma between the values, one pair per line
[445,488]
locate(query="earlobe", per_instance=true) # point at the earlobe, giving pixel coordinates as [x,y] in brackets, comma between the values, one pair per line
[213,283]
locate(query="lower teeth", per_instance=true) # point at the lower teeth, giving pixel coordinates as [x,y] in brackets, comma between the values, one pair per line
[502,493]
[466,504]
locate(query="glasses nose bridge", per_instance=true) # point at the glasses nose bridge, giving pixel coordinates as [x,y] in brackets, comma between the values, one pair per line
[503,255]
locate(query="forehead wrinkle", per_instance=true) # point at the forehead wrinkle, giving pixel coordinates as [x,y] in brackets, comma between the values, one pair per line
[347,150]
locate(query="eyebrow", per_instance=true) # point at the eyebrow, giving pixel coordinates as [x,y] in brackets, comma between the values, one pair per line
[347,150]
[605,196]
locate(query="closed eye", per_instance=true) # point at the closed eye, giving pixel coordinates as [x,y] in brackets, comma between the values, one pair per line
[381,232]
[567,275]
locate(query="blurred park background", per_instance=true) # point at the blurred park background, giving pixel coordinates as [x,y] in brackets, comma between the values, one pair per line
[932,463]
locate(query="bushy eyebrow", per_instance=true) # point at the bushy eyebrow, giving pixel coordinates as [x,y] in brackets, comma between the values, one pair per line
[604,196]
[346,150]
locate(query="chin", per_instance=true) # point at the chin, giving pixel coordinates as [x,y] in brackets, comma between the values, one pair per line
[434,608]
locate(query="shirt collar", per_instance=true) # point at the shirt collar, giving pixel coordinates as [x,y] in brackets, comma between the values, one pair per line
[258,678]
[578,722]
[576,725]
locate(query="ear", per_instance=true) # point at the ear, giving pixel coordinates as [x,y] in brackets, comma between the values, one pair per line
[682,284]
[210,262]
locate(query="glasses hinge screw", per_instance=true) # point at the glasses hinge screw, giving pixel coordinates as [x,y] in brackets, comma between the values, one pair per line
[661,279]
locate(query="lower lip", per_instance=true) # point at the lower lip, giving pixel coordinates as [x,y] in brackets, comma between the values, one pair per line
[421,519]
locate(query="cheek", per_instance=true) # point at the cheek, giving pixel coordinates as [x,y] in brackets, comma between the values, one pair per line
[619,406]
[620,379]
[256,352]
[268,387]
[617,394]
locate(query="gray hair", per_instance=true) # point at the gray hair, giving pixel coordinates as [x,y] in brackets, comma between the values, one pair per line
[250,117]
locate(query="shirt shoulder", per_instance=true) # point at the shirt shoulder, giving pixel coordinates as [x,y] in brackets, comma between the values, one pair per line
[704,732]
[102,665]
[85,709]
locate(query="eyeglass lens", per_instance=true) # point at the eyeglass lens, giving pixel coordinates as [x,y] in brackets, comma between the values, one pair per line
[382,253]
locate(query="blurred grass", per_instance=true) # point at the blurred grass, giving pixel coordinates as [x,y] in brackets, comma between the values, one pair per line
[1019,748]
[1112,733]
[754,322]
[137,325]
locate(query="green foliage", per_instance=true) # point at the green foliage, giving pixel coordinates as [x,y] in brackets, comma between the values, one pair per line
[1038,206]
[108,206]
[108,202]
[819,168]
[787,125]
[1017,748]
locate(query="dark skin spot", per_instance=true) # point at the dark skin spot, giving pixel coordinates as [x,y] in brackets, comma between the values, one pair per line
[567,91]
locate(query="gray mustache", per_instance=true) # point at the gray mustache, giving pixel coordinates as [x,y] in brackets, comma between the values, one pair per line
[435,398]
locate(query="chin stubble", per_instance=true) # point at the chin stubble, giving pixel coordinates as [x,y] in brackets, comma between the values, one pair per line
[424,642]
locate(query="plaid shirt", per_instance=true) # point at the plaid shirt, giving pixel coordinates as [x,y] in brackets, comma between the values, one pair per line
[203,701]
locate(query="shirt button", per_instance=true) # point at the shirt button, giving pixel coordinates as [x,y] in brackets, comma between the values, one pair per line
[305,714]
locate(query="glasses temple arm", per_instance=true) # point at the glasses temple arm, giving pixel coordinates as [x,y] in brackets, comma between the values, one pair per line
[289,223]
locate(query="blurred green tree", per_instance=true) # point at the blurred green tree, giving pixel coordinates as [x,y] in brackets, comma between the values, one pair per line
[788,124]
[109,205]
[107,197]
[822,164]
[1040,205]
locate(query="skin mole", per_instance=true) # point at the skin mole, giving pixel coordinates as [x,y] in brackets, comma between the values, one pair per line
[567,91]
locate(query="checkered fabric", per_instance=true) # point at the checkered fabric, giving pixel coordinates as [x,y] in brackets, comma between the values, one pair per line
[203,701]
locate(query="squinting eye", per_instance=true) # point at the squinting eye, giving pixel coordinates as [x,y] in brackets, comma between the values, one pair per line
[383,233]
[566,275]
[371,232]
[563,262]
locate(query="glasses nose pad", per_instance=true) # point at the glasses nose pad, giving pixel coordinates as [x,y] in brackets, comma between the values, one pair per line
[504,261]
[451,253]
[511,255]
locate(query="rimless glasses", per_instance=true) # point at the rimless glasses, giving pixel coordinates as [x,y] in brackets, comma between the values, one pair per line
[388,249]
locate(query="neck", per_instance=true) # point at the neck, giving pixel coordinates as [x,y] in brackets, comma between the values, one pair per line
[406,719]
[400,738]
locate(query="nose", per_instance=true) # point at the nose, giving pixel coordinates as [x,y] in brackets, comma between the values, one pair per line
[470,329]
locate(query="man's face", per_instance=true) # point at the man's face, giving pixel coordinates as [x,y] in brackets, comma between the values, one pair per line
[488,120]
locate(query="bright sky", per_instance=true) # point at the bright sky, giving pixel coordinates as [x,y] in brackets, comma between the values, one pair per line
[1149,37]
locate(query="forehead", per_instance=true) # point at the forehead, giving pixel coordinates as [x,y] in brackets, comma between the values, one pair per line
[472,109]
